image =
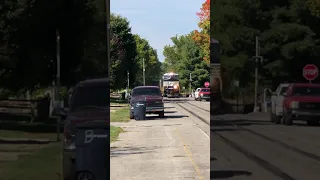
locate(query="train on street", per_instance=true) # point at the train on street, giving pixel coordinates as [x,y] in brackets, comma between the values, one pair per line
[170,85]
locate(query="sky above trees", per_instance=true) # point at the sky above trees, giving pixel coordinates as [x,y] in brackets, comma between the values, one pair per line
[160,20]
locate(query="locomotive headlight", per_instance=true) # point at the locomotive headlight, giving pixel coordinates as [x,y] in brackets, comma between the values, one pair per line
[175,87]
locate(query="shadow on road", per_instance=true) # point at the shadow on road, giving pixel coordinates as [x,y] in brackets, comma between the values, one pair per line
[225,129]
[168,107]
[165,117]
[170,112]
[119,151]
[240,122]
[212,159]
[228,174]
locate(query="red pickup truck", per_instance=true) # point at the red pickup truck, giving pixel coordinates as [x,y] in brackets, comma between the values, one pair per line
[302,102]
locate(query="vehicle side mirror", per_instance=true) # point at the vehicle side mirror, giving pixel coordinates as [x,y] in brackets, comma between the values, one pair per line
[285,94]
[59,112]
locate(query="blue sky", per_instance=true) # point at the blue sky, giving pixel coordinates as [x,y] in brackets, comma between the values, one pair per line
[158,20]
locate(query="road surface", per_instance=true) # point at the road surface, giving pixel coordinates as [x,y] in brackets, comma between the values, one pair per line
[249,147]
[176,147]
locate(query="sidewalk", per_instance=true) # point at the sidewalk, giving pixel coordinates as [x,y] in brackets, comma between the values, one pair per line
[172,148]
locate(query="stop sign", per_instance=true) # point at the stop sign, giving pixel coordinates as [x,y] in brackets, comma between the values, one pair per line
[206,84]
[310,72]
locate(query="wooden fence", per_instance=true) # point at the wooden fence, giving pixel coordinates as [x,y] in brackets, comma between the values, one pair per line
[35,110]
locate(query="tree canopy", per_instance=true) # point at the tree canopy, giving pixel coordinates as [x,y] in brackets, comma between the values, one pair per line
[288,39]
[28,45]
[190,53]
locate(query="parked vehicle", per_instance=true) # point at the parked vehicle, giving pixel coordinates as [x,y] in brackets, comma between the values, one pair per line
[202,94]
[89,102]
[277,103]
[302,102]
[153,98]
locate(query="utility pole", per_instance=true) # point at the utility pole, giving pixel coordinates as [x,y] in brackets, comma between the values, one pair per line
[144,71]
[58,70]
[256,76]
[190,80]
[128,79]
[108,34]
[57,87]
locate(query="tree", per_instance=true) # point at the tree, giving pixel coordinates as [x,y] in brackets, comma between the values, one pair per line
[314,7]
[152,63]
[184,57]
[28,32]
[123,52]
[288,40]
[202,37]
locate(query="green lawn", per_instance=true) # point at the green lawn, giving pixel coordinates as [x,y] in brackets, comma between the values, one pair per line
[120,115]
[27,135]
[42,164]
[114,133]
[118,101]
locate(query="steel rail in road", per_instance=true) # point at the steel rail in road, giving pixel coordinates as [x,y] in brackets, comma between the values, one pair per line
[261,162]
[286,146]
[198,107]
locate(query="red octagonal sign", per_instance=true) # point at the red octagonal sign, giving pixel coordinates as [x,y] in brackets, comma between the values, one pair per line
[206,84]
[310,72]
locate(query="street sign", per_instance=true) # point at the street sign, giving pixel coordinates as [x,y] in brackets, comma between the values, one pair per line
[206,84]
[310,72]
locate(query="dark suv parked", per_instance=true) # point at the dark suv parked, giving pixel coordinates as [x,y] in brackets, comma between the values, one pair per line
[153,98]
[89,102]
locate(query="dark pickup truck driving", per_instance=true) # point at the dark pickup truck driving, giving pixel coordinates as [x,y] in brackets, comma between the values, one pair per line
[152,96]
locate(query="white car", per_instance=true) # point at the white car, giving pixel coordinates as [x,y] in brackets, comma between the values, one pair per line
[196,93]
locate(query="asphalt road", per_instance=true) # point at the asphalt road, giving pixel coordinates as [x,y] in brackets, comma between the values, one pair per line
[249,147]
[176,147]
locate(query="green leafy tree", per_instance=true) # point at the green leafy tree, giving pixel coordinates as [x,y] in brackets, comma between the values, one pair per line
[152,63]
[184,57]
[288,40]
[123,52]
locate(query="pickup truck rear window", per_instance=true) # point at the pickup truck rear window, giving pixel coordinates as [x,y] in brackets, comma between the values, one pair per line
[97,96]
[146,91]
[306,91]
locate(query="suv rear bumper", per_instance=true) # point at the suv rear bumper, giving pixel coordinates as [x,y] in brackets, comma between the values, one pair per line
[303,114]
[154,109]
[151,109]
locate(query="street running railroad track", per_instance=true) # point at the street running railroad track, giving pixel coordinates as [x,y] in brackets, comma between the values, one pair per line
[261,162]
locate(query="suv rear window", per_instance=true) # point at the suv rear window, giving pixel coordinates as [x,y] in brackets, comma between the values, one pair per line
[306,91]
[97,96]
[205,90]
[146,91]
